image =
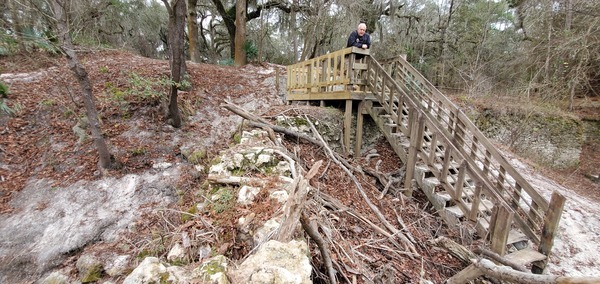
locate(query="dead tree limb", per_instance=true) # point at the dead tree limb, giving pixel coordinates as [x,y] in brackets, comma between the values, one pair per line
[339,206]
[294,205]
[311,230]
[496,257]
[508,274]
[456,249]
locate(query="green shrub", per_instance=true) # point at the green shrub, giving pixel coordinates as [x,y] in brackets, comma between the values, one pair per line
[3,90]
[251,50]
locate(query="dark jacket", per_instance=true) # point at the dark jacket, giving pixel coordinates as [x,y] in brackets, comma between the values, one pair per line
[358,41]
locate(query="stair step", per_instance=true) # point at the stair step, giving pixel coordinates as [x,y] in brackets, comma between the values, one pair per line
[484,206]
[515,237]
[525,256]
[466,193]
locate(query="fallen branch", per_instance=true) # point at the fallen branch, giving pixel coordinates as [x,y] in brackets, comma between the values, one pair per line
[506,273]
[456,249]
[295,204]
[311,230]
[498,258]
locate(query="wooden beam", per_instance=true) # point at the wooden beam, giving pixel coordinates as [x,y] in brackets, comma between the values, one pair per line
[347,126]
[552,217]
[500,230]
[416,139]
[465,275]
[359,129]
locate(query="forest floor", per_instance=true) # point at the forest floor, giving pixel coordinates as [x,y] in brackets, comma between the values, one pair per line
[39,142]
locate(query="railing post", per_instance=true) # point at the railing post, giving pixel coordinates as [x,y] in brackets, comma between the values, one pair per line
[432,149]
[458,187]
[416,139]
[347,126]
[476,201]
[501,230]
[551,219]
[359,129]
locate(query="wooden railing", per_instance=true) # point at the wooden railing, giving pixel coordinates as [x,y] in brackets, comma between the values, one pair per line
[441,134]
[327,77]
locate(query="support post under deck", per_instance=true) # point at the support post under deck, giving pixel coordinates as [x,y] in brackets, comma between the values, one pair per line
[359,129]
[347,126]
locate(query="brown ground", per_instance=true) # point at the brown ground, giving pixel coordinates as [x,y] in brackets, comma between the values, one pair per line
[38,142]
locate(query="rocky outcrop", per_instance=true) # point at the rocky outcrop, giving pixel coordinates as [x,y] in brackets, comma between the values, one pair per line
[544,138]
[52,222]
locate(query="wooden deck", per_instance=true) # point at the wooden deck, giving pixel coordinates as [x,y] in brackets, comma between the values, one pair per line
[334,76]
[463,175]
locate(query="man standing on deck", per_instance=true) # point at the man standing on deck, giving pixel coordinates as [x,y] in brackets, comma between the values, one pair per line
[359,38]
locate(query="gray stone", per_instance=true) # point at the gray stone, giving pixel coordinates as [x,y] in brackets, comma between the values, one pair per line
[214,270]
[151,270]
[247,194]
[55,278]
[275,263]
[177,253]
[117,265]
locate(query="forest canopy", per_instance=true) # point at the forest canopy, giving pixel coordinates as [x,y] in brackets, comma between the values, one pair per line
[547,49]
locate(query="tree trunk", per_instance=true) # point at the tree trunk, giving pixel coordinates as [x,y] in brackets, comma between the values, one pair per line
[569,16]
[229,23]
[17,25]
[240,33]
[177,11]
[193,30]
[105,160]
[293,31]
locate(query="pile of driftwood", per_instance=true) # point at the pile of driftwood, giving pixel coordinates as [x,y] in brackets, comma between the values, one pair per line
[304,206]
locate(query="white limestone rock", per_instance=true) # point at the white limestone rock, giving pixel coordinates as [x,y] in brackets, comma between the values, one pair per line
[117,265]
[275,262]
[149,271]
[247,194]
[176,253]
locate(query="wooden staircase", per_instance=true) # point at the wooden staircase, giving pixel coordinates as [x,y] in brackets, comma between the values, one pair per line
[462,174]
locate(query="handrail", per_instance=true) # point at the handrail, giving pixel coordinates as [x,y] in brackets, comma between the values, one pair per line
[326,73]
[408,89]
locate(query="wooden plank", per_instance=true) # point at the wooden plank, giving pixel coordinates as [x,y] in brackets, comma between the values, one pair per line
[338,95]
[474,148]
[500,181]
[417,131]
[465,276]
[347,126]
[359,66]
[516,196]
[461,180]
[476,200]
[501,230]
[359,129]
[433,149]
[525,256]
[444,172]
[552,217]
